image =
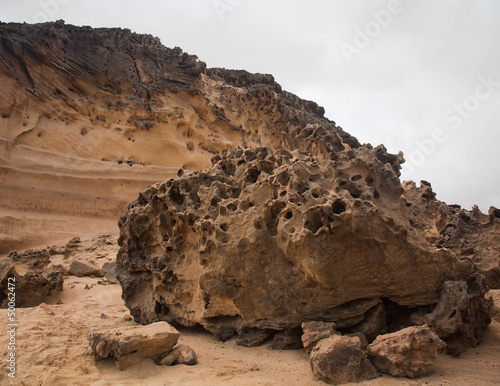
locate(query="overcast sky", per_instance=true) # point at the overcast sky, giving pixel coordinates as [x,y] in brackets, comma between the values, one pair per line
[420,76]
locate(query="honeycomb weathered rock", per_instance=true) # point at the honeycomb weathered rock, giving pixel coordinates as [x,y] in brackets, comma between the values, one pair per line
[269,240]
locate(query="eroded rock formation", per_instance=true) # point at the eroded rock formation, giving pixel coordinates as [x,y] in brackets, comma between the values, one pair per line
[267,240]
[90,117]
[470,234]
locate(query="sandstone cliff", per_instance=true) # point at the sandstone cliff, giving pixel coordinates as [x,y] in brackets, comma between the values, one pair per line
[90,117]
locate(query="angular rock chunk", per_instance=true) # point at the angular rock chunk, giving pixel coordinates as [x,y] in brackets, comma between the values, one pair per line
[315,331]
[109,270]
[180,355]
[130,345]
[340,359]
[410,352]
[83,268]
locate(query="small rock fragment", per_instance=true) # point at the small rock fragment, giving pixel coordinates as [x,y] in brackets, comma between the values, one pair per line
[109,270]
[130,345]
[82,268]
[315,331]
[410,352]
[180,355]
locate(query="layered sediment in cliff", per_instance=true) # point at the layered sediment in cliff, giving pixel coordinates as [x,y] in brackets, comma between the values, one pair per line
[90,117]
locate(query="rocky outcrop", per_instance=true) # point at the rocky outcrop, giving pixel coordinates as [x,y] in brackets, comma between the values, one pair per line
[90,117]
[410,352]
[470,234]
[340,359]
[461,315]
[130,345]
[31,288]
[267,240]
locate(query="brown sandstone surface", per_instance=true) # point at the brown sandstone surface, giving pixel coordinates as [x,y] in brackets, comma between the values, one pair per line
[90,117]
[53,348]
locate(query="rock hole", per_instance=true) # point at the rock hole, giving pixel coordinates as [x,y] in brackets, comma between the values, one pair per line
[376,194]
[283,178]
[338,207]
[370,181]
[283,193]
[252,175]
[214,201]
[170,248]
[288,215]
[224,227]
[257,225]
[83,131]
[232,207]
[176,196]
[357,177]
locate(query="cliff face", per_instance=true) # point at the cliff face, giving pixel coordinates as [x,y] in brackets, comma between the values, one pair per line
[90,117]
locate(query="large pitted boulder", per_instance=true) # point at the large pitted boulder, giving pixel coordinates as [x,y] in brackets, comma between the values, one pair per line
[130,345]
[267,241]
[340,359]
[410,352]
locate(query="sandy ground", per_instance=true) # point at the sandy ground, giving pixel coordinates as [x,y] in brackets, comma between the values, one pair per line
[52,348]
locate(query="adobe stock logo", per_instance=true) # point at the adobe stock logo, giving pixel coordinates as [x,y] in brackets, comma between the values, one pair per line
[372,29]
[223,6]
[48,10]
[455,116]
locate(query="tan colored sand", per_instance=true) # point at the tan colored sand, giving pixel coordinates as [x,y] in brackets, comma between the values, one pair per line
[52,347]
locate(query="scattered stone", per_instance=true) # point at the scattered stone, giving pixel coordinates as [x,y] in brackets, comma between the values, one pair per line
[315,331]
[130,345]
[83,268]
[74,241]
[104,316]
[340,359]
[410,352]
[180,355]
[59,302]
[109,270]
